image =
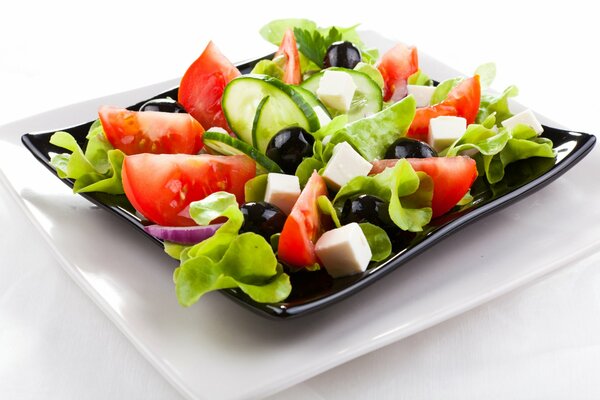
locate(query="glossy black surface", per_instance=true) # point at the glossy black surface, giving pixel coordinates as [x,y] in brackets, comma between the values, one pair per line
[342,54]
[409,148]
[366,208]
[163,105]
[288,148]
[315,290]
[262,218]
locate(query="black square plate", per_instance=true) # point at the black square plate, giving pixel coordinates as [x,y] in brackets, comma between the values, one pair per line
[315,290]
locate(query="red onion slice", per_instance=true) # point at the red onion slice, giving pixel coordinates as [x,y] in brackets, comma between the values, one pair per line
[182,234]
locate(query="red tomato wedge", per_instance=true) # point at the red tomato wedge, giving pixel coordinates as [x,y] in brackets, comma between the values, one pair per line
[302,226]
[452,178]
[396,65]
[465,97]
[419,128]
[135,132]
[289,49]
[462,101]
[202,85]
[161,186]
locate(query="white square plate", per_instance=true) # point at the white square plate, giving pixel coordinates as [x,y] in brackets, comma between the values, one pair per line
[217,349]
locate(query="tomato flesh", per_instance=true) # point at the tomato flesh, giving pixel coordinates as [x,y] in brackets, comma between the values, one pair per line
[289,49]
[135,132]
[419,128]
[302,227]
[452,178]
[465,97]
[161,186]
[396,65]
[462,101]
[202,86]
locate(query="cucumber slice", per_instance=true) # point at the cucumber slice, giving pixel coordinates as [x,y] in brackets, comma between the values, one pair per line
[311,99]
[285,107]
[255,120]
[367,99]
[229,146]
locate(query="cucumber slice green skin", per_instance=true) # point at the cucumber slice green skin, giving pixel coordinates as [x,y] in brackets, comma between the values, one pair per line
[312,99]
[229,146]
[255,120]
[285,107]
[368,98]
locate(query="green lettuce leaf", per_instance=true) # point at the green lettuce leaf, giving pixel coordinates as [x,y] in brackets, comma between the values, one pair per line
[420,78]
[274,30]
[98,169]
[255,188]
[371,136]
[227,259]
[498,148]
[379,241]
[487,74]
[441,91]
[408,192]
[272,68]
[327,208]
[306,168]
[498,104]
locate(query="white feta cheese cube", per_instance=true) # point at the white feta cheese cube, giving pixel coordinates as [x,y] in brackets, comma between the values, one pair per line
[345,163]
[344,251]
[422,94]
[444,130]
[336,90]
[218,129]
[282,191]
[322,115]
[526,118]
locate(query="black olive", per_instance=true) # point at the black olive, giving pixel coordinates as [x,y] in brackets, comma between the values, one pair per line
[163,105]
[342,54]
[409,148]
[262,218]
[366,208]
[289,146]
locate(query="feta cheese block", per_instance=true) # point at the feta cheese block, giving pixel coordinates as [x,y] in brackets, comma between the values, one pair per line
[444,130]
[422,94]
[526,118]
[344,251]
[345,163]
[336,90]
[282,191]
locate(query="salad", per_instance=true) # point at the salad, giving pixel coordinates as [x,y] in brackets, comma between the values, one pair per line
[320,159]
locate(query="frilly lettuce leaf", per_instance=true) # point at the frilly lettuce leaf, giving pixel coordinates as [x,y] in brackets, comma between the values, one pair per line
[496,103]
[98,169]
[228,259]
[498,148]
[371,136]
[408,192]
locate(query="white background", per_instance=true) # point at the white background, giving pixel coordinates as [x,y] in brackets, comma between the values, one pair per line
[539,342]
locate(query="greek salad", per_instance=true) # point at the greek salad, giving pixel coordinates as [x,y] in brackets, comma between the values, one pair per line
[317,160]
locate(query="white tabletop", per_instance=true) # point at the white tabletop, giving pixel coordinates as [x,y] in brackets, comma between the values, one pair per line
[539,342]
